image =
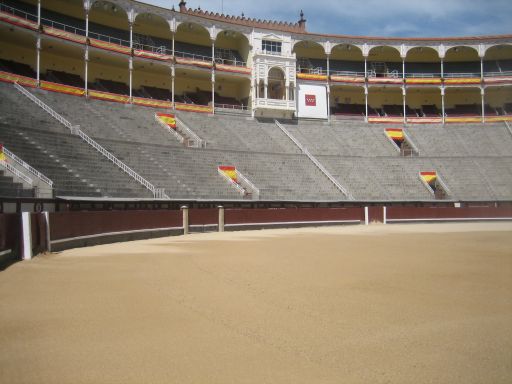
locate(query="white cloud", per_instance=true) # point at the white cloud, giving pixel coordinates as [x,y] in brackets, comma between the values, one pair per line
[375,17]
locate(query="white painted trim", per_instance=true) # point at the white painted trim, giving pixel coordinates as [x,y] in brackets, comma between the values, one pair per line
[295,222]
[385,214]
[27,236]
[452,219]
[7,251]
[366,216]
[46,215]
[113,234]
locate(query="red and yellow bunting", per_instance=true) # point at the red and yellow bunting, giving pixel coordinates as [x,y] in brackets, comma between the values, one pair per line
[2,154]
[395,134]
[429,177]
[423,81]
[62,88]
[151,103]
[233,69]
[168,119]
[194,62]
[462,81]
[109,96]
[110,46]
[311,77]
[385,80]
[64,35]
[497,119]
[194,108]
[424,120]
[18,21]
[385,119]
[229,171]
[347,79]
[13,78]
[463,119]
[152,55]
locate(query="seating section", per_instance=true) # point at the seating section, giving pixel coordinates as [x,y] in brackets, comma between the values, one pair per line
[17,68]
[9,188]
[473,160]
[76,168]
[65,78]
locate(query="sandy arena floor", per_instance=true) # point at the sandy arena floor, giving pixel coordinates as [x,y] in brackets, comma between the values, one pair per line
[378,304]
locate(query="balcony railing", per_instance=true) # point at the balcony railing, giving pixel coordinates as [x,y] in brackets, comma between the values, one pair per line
[194,56]
[17,12]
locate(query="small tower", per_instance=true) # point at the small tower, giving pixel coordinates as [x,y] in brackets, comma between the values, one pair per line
[302,21]
[183,6]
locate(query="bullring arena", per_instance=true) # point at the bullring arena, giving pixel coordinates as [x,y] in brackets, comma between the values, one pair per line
[191,197]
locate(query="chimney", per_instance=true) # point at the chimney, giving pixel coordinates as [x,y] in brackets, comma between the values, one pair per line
[302,21]
[183,6]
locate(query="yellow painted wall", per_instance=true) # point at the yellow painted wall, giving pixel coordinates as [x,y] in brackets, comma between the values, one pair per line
[498,97]
[18,53]
[102,71]
[196,36]
[423,97]
[74,8]
[312,51]
[347,96]
[461,96]
[341,52]
[378,97]
[60,63]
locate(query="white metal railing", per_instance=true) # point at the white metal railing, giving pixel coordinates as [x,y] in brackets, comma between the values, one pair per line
[16,172]
[239,188]
[460,75]
[424,75]
[198,142]
[29,168]
[231,106]
[17,12]
[230,61]
[497,74]
[77,131]
[162,50]
[194,56]
[347,73]
[63,27]
[312,71]
[255,191]
[180,138]
[508,127]
[315,161]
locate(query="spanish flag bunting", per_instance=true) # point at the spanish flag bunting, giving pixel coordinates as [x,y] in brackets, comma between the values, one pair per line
[2,154]
[429,177]
[396,134]
[168,119]
[229,171]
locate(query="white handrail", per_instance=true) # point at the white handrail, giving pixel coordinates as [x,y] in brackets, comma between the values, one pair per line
[315,161]
[77,131]
[200,143]
[180,138]
[28,167]
[508,127]
[16,172]
[252,187]
[240,189]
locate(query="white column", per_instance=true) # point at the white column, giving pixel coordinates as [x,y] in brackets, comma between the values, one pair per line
[213,91]
[172,44]
[482,68]
[130,66]
[366,101]
[442,103]
[287,91]
[403,68]
[365,67]
[328,90]
[27,236]
[38,58]
[39,13]
[384,215]
[173,75]
[48,237]
[482,93]
[265,85]
[130,63]
[184,211]
[442,68]
[366,216]
[86,57]
[404,103]
[221,218]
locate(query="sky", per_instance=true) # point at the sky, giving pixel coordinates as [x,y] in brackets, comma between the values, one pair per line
[402,18]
